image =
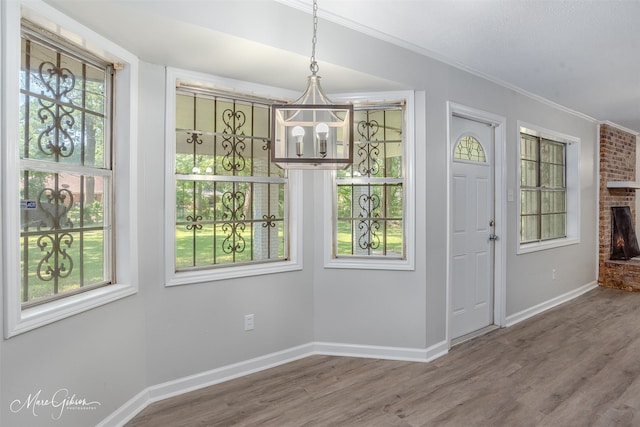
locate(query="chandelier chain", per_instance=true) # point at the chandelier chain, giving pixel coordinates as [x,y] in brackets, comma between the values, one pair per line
[314,64]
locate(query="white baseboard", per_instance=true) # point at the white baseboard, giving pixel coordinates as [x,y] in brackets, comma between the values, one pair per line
[127,411]
[229,372]
[379,352]
[537,309]
[215,376]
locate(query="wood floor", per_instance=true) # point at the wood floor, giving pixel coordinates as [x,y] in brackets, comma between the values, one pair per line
[575,365]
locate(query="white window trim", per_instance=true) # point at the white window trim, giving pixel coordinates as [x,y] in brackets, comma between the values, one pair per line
[378,263]
[17,320]
[294,262]
[573,188]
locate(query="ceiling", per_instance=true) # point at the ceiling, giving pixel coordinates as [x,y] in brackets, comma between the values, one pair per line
[581,54]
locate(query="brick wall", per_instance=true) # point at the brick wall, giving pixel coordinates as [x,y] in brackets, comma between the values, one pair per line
[617,163]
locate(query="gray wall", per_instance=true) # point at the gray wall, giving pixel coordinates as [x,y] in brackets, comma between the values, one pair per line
[161,334]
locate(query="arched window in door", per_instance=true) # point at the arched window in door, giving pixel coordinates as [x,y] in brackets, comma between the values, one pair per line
[469,148]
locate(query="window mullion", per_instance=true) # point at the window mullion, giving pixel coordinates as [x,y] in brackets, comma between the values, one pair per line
[385,201]
[27,138]
[539,188]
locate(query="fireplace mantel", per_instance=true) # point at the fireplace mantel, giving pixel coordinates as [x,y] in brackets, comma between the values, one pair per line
[631,185]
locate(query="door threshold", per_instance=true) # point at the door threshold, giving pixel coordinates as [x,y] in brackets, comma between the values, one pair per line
[473,335]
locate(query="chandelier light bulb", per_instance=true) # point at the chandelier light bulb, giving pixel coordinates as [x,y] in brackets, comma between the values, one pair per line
[322,131]
[298,134]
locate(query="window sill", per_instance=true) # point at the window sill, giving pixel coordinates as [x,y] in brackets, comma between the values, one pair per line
[232,272]
[41,315]
[551,244]
[370,264]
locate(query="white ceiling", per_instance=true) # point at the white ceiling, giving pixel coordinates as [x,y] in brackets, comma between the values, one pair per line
[581,54]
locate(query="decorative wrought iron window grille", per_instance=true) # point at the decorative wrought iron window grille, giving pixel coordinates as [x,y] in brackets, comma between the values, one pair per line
[370,193]
[543,189]
[65,163]
[231,201]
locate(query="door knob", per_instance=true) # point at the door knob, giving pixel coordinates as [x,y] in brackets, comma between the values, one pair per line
[493,237]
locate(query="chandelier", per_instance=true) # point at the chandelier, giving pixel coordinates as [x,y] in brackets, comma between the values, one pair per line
[312,132]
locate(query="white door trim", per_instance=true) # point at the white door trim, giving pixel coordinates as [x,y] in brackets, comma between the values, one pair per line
[500,176]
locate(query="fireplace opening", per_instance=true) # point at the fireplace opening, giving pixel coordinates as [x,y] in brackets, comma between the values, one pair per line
[624,243]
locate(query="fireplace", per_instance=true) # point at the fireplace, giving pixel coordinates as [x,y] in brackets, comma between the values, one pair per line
[619,260]
[624,243]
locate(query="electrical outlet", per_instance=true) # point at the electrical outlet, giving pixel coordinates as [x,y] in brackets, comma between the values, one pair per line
[553,274]
[248,322]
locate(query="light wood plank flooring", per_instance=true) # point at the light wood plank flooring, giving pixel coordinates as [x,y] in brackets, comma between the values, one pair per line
[575,365]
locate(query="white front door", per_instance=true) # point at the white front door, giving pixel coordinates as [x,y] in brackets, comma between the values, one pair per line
[472,210]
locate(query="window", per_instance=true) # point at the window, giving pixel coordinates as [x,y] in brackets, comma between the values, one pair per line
[230,207]
[371,197]
[62,245]
[548,202]
[543,190]
[65,168]
[230,199]
[470,149]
